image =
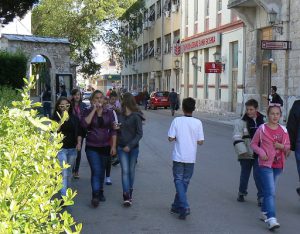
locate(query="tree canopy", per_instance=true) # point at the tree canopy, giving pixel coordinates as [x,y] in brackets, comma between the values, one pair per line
[81,21]
[10,9]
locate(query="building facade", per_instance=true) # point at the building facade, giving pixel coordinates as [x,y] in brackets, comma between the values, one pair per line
[272,48]
[152,64]
[212,36]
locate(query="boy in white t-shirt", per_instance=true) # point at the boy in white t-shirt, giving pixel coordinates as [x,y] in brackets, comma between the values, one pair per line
[187,132]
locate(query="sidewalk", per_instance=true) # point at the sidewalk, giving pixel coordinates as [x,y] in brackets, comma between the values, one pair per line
[227,118]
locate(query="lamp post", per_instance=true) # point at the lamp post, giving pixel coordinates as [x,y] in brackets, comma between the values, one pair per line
[217,57]
[278,26]
[177,69]
[196,68]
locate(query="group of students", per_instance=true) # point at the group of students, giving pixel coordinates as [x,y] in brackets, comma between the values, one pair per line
[102,123]
[263,146]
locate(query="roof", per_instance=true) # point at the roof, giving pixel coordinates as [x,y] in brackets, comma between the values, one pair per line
[29,38]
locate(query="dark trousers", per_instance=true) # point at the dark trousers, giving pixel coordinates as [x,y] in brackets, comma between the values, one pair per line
[108,167]
[78,159]
[246,167]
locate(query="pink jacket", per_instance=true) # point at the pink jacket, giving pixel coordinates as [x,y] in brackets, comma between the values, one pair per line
[263,144]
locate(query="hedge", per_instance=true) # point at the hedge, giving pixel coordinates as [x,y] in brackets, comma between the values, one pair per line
[13,67]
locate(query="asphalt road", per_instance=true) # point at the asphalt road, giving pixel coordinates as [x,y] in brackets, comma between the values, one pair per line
[212,191]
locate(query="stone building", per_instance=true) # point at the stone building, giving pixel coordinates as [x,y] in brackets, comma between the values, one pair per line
[55,53]
[272,48]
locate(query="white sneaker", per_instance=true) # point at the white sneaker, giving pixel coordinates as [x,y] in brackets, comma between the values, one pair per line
[263,216]
[108,181]
[272,223]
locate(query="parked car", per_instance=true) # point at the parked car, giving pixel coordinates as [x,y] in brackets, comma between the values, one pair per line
[86,95]
[138,96]
[159,99]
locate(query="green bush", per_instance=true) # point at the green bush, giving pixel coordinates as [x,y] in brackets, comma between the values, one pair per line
[30,174]
[13,67]
[7,95]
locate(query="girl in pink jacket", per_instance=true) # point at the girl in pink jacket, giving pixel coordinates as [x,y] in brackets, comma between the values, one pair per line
[271,142]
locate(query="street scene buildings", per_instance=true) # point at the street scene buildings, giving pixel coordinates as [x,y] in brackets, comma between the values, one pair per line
[181,41]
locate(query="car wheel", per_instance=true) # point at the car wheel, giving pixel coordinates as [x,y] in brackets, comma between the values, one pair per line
[154,107]
[166,107]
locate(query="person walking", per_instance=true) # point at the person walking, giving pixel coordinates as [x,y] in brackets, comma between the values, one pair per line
[187,133]
[100,142]
[130,132]
[146,98]
[71,141]
[274,97]
[271,143]
[173,101]
[244,131]
[293,127]
[46,100]
[78,108]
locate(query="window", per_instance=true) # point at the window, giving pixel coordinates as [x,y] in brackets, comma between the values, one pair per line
[158,46]
[152,13]
[219,19]
[151,49]
[140,53]
[195,10]
[206,24]
[176,37]
[234,16]
[235,54]
[158,9]
[168,43]
[145,16]
[145,51]
[135,56]
[219,5]
[207,8]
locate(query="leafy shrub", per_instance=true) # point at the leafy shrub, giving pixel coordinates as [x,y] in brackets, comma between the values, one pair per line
[13,67]
[30,174]
[7,95]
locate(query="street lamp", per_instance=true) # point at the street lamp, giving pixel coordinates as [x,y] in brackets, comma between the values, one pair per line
[217,56]
[195,64]
[177,69]
[278,26]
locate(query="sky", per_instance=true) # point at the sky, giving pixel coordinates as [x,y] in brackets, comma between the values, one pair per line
[101,52]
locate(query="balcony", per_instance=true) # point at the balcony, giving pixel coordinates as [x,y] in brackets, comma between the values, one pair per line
[247,9]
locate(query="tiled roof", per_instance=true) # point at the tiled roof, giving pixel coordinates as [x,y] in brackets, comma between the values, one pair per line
[29,38]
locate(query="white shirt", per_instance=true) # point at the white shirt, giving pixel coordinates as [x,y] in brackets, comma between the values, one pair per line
[187,131]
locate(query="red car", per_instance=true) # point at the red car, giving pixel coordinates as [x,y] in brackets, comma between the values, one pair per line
[159,99]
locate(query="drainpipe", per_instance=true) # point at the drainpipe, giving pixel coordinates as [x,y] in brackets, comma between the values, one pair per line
[244,70]
[287,58]
[162,40]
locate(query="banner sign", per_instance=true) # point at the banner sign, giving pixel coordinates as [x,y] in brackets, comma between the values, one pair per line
[276,45]
[213,67]
[207,41]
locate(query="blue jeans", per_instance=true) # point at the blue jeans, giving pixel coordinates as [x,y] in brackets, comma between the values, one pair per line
[128,162]
[97,164]
[246,167]
[268,178]
[67,156]
[182,173]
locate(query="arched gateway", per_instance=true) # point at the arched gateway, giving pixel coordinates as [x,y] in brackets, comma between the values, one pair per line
[48,60]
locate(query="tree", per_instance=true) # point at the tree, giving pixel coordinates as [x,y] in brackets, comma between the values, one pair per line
[81,21]
[10,9]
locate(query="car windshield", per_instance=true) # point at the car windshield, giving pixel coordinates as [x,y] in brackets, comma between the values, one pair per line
[162,94]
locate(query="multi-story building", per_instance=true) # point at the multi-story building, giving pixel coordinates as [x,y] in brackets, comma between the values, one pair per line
[152,64]
[272,48]
[213,41]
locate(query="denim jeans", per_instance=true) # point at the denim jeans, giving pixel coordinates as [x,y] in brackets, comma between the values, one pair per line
[269,177]
[67,156]
[182,173]
[128,163]
[97,162]
[297,153]
[246,167]
[78,159]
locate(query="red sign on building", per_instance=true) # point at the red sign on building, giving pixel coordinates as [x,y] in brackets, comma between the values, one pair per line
[213,67]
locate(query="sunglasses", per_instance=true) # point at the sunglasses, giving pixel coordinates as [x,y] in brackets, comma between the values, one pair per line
[64,106]
[275,104]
